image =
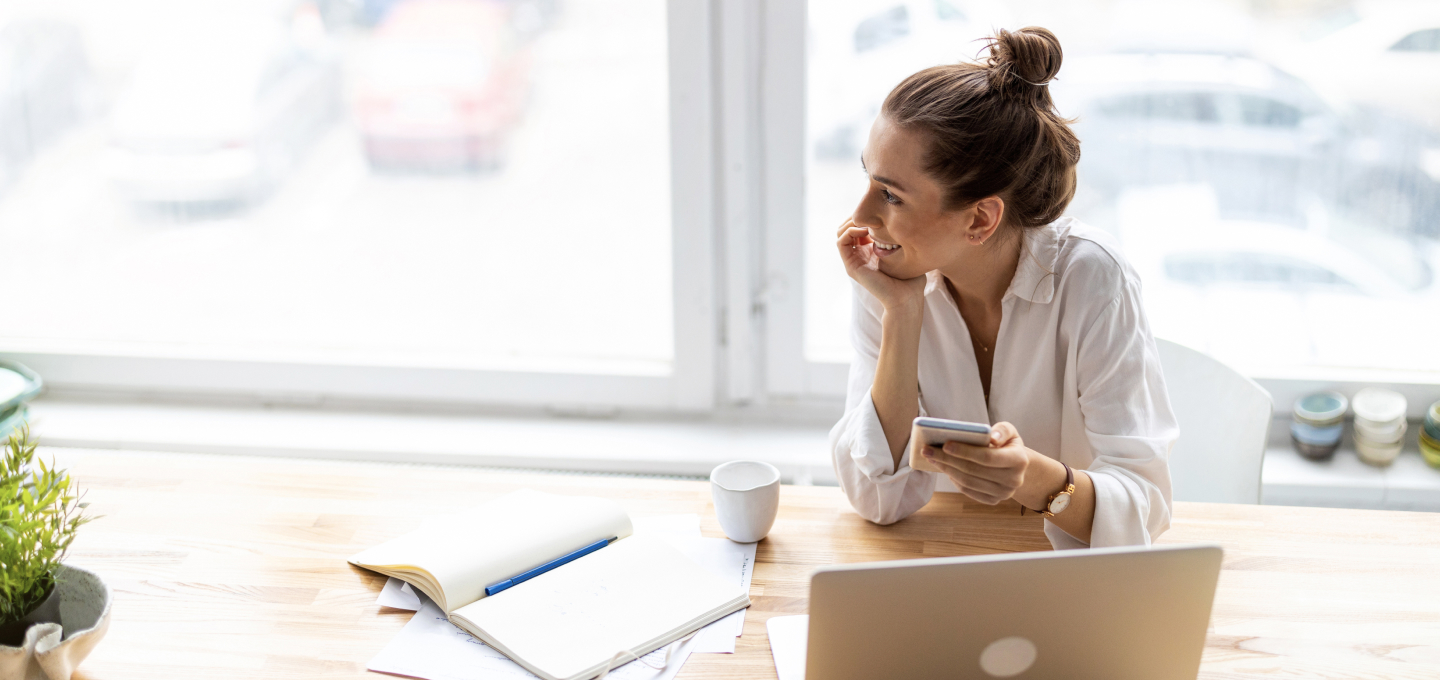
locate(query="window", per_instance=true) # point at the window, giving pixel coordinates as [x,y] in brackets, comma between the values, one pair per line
[633,204]
[472,186]
[1235,187]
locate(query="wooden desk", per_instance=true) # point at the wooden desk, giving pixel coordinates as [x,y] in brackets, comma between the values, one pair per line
[235,567]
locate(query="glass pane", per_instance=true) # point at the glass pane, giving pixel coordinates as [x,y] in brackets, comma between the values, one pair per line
[1272,170]
[452,183]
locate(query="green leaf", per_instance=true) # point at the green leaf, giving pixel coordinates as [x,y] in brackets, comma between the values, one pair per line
[39,516]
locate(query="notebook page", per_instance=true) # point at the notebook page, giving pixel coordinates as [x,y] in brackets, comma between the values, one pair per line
[635,595]
[676,529]
[497,540]
[430,647]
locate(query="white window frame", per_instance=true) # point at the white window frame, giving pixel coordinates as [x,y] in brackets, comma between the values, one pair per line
[789,374]
[689,386]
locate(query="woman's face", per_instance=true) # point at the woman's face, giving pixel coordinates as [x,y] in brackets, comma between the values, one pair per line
[903,207]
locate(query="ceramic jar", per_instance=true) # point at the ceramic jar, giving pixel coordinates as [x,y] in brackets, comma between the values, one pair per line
[1319,424]
[1379,425]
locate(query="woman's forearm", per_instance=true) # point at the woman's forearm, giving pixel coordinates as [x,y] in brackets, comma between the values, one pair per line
[896,391]
[1046,476]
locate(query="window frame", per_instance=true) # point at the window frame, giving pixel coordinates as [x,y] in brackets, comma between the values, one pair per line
[789,374]
[689,386]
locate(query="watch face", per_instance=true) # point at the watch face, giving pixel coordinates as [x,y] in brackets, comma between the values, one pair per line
[1061,502]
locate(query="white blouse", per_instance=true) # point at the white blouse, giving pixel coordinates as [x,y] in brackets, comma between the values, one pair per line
[1075,370]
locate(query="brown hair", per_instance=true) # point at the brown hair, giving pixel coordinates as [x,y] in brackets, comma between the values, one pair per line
[994,128]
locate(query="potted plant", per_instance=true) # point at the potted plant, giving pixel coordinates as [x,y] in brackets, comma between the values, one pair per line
[39,514]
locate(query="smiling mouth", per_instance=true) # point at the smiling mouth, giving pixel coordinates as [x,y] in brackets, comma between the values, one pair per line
[883,249]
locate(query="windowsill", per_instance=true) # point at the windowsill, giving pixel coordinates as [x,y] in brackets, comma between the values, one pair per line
[655,447]
[553,443]
[1346,482]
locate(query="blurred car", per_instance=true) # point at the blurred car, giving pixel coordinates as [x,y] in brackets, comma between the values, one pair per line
[1388,60]
[526,15]
[221,114]
[1272,295]
[863,49]
[1267,143]
[443,86]
[46,87]
[342,13]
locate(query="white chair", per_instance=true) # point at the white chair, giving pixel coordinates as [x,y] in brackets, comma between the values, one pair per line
[1224,425]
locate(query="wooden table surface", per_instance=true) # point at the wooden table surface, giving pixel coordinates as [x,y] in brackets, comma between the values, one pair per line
[234,567]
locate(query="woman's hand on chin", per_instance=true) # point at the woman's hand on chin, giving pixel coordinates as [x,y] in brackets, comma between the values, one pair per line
[989,474]
[862,263]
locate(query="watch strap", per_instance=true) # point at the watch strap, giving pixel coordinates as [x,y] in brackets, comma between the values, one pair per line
[1067,490]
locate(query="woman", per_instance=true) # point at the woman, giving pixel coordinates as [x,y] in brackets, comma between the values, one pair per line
[977,301]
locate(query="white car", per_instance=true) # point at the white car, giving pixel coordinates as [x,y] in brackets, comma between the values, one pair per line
[1267,143]
[221,115]
[861,49]
[1389,60]
[1264,296]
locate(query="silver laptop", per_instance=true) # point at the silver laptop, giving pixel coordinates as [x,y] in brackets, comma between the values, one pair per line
[1107,614]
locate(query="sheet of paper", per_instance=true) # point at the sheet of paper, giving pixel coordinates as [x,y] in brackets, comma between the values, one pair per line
[714,639]
[748,570]
[431,647]
[718,637]
[789,636]
[398,594]
[729,560]
[721,551]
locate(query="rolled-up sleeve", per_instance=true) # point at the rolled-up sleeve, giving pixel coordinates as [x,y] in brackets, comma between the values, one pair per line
[863,463]
[1128,422]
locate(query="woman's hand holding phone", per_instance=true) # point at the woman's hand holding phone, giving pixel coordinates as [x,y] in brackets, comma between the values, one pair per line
[862,263]
[989,474]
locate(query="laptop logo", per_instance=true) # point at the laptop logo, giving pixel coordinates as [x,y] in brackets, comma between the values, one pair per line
[1008,657]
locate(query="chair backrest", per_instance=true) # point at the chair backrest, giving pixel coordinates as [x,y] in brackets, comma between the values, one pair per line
[1224,424]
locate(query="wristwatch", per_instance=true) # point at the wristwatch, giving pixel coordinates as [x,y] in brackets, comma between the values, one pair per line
[1061,499]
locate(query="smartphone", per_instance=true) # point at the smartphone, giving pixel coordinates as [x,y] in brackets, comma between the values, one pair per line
[936,431]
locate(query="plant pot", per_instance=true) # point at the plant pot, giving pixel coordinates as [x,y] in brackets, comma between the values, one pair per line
[48,611]
[51,651]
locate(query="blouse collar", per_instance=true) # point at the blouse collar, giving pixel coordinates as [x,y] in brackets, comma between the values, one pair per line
[1035,273]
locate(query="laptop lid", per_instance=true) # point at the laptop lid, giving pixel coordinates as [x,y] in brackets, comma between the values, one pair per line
[1107,614]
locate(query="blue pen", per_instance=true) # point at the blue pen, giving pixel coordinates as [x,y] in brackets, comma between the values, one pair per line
[517,580]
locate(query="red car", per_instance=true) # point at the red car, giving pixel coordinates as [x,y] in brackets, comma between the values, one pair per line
[443,85]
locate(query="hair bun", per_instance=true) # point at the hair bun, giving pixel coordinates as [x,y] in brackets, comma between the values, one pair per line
[1031,54]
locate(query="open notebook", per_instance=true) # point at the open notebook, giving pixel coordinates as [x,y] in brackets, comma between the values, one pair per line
[631,597]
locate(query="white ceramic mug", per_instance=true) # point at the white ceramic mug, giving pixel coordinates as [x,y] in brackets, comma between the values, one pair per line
[747,497]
